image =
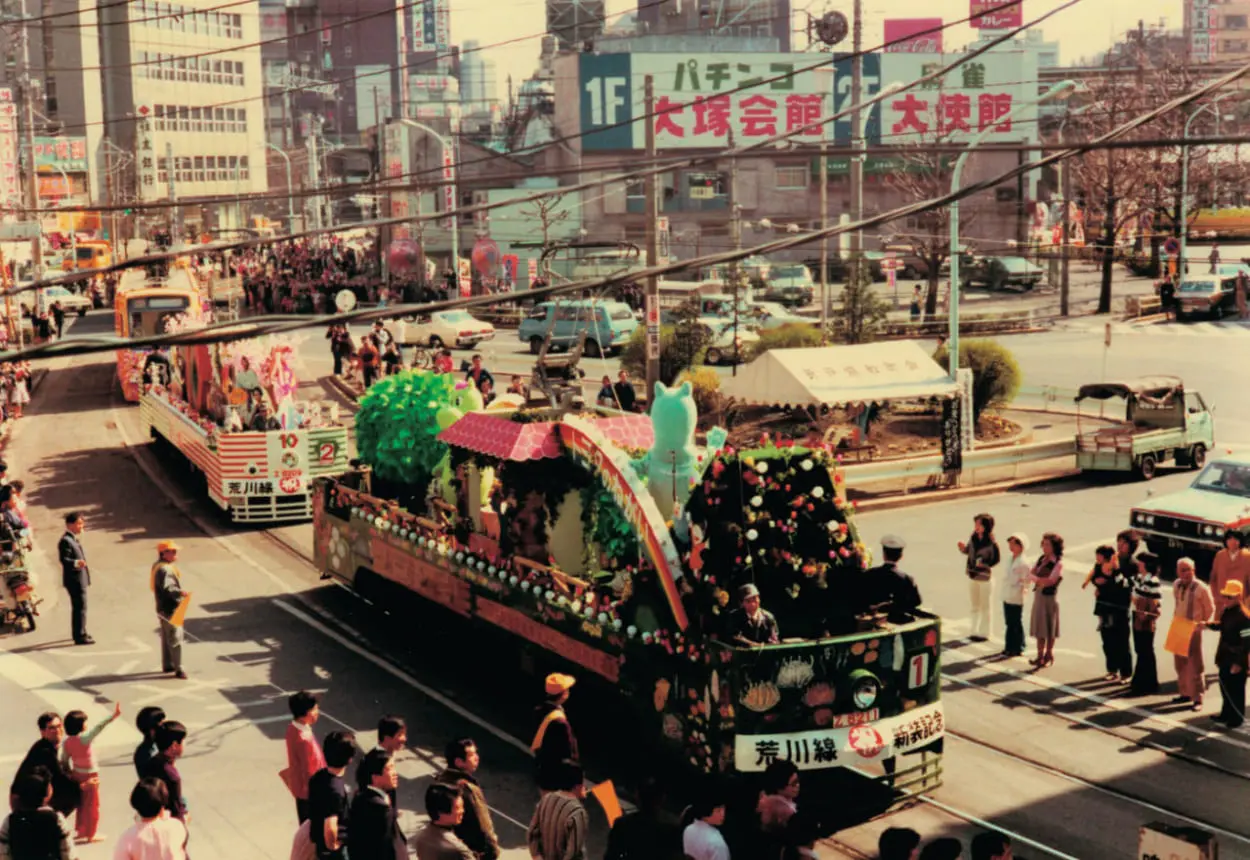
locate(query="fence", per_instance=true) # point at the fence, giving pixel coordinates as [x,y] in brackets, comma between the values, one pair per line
[929,469]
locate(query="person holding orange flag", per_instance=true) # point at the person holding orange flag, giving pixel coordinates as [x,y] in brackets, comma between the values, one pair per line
[171,606]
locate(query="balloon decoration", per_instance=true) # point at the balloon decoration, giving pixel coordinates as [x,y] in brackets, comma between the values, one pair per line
[398,424]
[403,257]
[486,258]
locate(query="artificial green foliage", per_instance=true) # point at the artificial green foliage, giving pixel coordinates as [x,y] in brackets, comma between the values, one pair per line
[605,526]
[397,425]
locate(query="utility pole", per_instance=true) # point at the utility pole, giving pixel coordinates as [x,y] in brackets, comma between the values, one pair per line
[857,138]
[1066,247]
[171,191]
[735,235]
[32,178]
[108,190]
[384,173]
[314,172]
[824,225]
[652,203]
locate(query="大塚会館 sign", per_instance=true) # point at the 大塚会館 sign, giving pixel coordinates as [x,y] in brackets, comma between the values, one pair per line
[700,99]
[975,95]
[67,153]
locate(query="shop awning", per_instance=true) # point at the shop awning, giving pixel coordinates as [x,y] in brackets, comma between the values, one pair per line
[504,439]
[836,375]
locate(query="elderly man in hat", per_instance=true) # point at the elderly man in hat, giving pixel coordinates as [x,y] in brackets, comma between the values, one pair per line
[886,587]
[554,742]
[166,584]
[750,624]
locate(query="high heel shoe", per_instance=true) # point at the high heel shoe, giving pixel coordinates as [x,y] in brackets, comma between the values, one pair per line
[1049,661]
[1039,662]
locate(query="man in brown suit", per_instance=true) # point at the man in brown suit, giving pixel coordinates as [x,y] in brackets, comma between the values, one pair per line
[475,828]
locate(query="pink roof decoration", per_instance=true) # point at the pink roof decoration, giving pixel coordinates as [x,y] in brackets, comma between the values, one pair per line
[505,439]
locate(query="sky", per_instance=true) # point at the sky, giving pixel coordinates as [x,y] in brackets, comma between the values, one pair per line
[1082,31]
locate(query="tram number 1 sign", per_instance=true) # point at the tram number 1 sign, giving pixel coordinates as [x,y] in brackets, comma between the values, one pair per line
[918,671]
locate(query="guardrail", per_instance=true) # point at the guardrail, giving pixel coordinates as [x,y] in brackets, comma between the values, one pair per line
[1049,397]
[929,468]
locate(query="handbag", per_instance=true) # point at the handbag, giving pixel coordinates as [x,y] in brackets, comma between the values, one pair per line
[1181,630]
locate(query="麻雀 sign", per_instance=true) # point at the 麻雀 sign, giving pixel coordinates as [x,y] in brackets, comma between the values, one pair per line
[696,105]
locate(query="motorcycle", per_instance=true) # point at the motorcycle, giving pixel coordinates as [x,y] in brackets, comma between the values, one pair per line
[21,605]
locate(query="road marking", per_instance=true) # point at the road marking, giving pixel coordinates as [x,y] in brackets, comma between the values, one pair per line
[185,689]
[1114,704]
[59,694]
[81,672]
[137,646]
[225,706]
[126,668]
[1088,784]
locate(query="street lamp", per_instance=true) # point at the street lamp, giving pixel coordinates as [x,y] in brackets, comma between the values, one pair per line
[1182,267]
[290,201]
[449,158]
[1060,90]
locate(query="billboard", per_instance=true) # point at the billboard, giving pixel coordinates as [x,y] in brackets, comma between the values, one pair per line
[909,36]
[67,153]
[995,15]
[694,107]
[972,97]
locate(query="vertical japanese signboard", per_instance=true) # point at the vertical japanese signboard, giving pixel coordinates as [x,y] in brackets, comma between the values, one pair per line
[449,189]
[10,180]
[145,161]
[700,99]
[972,97]
[996,15]
[952,442]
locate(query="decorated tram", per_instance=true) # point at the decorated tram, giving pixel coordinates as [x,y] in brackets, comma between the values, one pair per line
[148,311]
[230,411]
[617,545]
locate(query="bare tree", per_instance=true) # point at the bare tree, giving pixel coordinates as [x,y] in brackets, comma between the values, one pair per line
[548,213]
[924,175]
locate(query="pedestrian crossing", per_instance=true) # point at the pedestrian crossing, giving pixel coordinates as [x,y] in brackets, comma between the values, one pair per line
[1204,329]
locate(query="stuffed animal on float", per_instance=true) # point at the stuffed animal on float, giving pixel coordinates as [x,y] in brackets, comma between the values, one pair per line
[673,459]
[466,398]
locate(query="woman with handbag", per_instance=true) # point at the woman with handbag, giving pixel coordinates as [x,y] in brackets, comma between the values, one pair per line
[1194,606]
[982,555]
[1046,576]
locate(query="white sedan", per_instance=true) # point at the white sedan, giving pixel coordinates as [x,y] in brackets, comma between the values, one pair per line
[71,302]
[458,329]
[722,342]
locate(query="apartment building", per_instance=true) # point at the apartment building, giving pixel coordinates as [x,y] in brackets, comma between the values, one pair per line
[183,89]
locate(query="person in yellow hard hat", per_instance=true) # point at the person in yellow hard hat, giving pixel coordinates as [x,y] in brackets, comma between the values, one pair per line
[1232,655]
[166,584]
[554,743]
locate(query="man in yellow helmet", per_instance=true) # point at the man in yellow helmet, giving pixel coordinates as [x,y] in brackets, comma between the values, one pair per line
[170,598]
[554,743]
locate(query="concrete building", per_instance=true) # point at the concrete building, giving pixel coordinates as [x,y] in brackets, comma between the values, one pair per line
[70,133]
[744,19]
[184,88]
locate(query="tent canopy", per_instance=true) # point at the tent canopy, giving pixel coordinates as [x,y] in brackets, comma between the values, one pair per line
[834,375]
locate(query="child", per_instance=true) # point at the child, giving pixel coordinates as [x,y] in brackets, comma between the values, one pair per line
[148,721]
[79,758]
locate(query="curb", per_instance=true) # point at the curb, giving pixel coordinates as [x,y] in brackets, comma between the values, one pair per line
[923,497]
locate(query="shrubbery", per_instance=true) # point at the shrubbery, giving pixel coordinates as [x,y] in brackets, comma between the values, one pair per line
[995,373]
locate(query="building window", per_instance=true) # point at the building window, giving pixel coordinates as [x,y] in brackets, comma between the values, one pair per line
[791,176]
[1234,22]
[242,117]
[199,168]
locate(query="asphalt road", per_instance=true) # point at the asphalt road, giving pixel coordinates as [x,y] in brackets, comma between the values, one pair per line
[262,625]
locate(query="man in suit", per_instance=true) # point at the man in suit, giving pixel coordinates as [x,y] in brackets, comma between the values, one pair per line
[374,832]
[75,575]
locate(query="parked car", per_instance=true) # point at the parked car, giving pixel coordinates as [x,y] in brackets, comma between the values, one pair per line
[70,301]
[766,315]
[839,266]
[790,285]
[607,325]
[1211,296]
[914,267]
[1000,272]
[725,345]
[459,329]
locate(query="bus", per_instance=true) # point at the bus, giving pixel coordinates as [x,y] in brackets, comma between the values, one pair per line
[145,311]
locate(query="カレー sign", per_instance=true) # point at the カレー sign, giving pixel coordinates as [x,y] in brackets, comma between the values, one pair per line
[842,746]
[996,14]
[696,104]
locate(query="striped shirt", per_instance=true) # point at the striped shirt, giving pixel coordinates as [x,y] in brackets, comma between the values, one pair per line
[558,831]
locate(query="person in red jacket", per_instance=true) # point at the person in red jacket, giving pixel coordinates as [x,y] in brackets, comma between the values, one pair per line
[303,753]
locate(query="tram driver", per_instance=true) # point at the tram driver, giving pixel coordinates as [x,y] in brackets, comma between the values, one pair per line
[751,625]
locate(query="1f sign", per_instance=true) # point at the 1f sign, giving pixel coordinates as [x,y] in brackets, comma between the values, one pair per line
[608,99]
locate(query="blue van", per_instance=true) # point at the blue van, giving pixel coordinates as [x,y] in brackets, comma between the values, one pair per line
[608,325]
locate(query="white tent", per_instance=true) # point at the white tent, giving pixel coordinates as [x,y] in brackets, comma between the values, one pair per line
[834,375]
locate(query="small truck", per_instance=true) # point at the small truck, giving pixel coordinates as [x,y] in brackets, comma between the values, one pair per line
[1163,423]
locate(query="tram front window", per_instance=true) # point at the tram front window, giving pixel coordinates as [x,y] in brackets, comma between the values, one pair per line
[152,315]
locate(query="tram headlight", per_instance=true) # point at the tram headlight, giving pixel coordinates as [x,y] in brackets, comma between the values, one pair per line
[864,689]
